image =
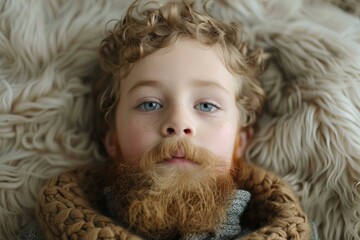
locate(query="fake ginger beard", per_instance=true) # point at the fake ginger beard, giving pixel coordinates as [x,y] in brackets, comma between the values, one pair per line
[160,200]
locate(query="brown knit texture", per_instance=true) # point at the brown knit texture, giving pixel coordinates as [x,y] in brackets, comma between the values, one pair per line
[69,207]
[274,209]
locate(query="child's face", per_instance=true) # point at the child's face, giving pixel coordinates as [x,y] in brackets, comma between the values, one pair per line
[183,90]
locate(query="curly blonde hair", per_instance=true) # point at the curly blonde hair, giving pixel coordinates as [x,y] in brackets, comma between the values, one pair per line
[142,32]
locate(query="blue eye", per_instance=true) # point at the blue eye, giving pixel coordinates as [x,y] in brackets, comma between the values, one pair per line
[149,106]
[206,107]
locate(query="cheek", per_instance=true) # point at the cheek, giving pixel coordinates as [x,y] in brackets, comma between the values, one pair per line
[223,141]
[134,138]
[227,136]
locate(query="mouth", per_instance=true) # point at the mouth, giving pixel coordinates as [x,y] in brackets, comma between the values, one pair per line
[178,159]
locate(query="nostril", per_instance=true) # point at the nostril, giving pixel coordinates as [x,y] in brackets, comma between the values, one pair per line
[170,130]
[187,131]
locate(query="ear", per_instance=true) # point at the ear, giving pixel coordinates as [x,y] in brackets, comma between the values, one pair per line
[110,143]
[242,141]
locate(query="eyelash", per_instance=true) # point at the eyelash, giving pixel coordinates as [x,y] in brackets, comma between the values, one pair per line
[141,106]
[208,103]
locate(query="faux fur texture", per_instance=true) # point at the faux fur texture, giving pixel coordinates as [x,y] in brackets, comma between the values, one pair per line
[309,133]
[48,49]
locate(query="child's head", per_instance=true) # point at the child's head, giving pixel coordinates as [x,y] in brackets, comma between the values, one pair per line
[190,72]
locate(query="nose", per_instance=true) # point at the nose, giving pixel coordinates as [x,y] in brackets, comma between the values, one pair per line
[178,122]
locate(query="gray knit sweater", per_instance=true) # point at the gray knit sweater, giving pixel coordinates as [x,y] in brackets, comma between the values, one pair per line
[232,228]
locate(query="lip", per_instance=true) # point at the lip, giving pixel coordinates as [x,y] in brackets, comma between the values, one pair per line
[178,154]
[179,161]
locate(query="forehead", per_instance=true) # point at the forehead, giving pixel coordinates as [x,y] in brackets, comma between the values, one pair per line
[180,64]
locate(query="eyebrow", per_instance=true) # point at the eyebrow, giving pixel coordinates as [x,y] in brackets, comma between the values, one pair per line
[145,83]
[206,83]
[195,83]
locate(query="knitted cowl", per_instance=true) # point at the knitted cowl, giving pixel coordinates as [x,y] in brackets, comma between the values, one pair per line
[70,206]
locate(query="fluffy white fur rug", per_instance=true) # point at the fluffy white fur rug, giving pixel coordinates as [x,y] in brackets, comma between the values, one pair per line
[309,133]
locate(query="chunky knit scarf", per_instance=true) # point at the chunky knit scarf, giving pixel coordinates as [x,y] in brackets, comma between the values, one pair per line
[70,206]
